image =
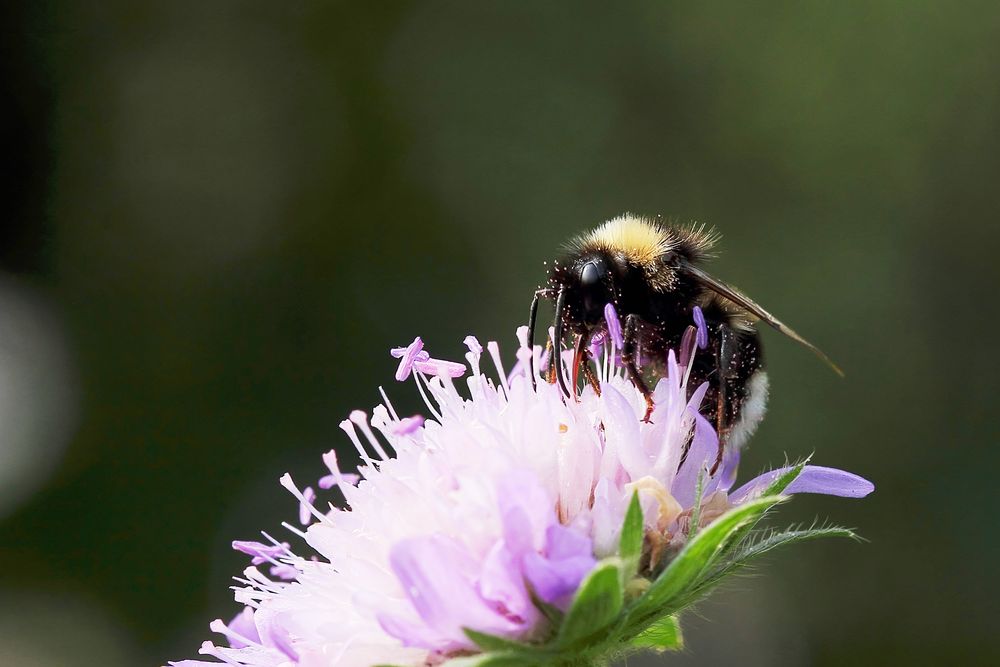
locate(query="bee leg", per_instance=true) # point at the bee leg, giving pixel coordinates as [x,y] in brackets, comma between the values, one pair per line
[557,343]
[582,362]
[551,370]
[724,349]
[631,340]
[588,374]
[533,314]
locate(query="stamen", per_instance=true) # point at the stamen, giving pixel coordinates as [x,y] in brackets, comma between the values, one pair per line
[519,369]
[699,320]
[261,553]
[597,345]
[688,342]
[524,355]
[286,481]
[254,576]
[287,548]
[407,425]
[407,356]
[565,367]
[293,529]
[474,353]
[335,478]
[306,505]
[347,427]
[279,569]
[361,419]
[522,337]
[221,628]
[614,326]
[420,380]
[440,368]
[388,403]
[494,349]
[208,648]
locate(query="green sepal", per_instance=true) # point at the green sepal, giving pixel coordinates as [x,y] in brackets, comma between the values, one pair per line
[504,659]
[664,634]
[697,556]
[488,642]
[768,542]
[553,614]
[630,541]
[781,483]
[699,491]
[596,605]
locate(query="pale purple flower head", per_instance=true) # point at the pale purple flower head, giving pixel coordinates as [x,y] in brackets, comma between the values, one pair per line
[501,500]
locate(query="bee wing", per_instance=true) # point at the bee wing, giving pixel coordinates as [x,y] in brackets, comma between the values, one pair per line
[748,304]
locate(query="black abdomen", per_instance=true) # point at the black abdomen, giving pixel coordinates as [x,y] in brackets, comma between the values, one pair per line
[730,362]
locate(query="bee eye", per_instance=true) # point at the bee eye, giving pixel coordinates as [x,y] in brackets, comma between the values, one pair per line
[590,274]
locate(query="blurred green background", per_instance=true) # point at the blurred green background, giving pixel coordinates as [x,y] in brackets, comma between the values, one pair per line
[220,216]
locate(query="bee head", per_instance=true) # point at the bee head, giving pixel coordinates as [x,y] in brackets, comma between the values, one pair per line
[590,285]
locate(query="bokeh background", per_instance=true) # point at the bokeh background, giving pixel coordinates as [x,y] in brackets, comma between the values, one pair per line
[219,216]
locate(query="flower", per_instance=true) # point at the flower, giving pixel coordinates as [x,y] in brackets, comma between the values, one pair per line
[496,515]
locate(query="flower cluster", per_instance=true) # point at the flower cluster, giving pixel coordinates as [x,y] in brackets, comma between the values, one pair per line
[493,526]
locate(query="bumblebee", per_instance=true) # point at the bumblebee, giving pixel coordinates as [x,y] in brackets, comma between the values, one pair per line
[651,272]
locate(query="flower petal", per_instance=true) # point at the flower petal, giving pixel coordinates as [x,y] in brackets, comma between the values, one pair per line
[700,458]
[525,510]
[244,626]
[502,583]
[437,575]
[562,542]
[812,479]
[621,433]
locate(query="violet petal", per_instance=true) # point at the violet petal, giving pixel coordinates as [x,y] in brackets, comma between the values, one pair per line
[812,479]
[700,457]
[525,511]
[243,624]
[730,464]
[437,574]
[622,432]
[502,584]
[415,634]
[562,542]
[567,560]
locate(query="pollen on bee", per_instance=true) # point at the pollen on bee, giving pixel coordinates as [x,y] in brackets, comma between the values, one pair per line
[563,428]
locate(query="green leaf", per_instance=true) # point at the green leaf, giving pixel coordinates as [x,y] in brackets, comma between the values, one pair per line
[630,542]
[781,483]
[553,614]
[663,635]
[488,642]
[745,555]
[697,556]
[779,539]
[511,659]
[775,488]
[699,491]
[596,605]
